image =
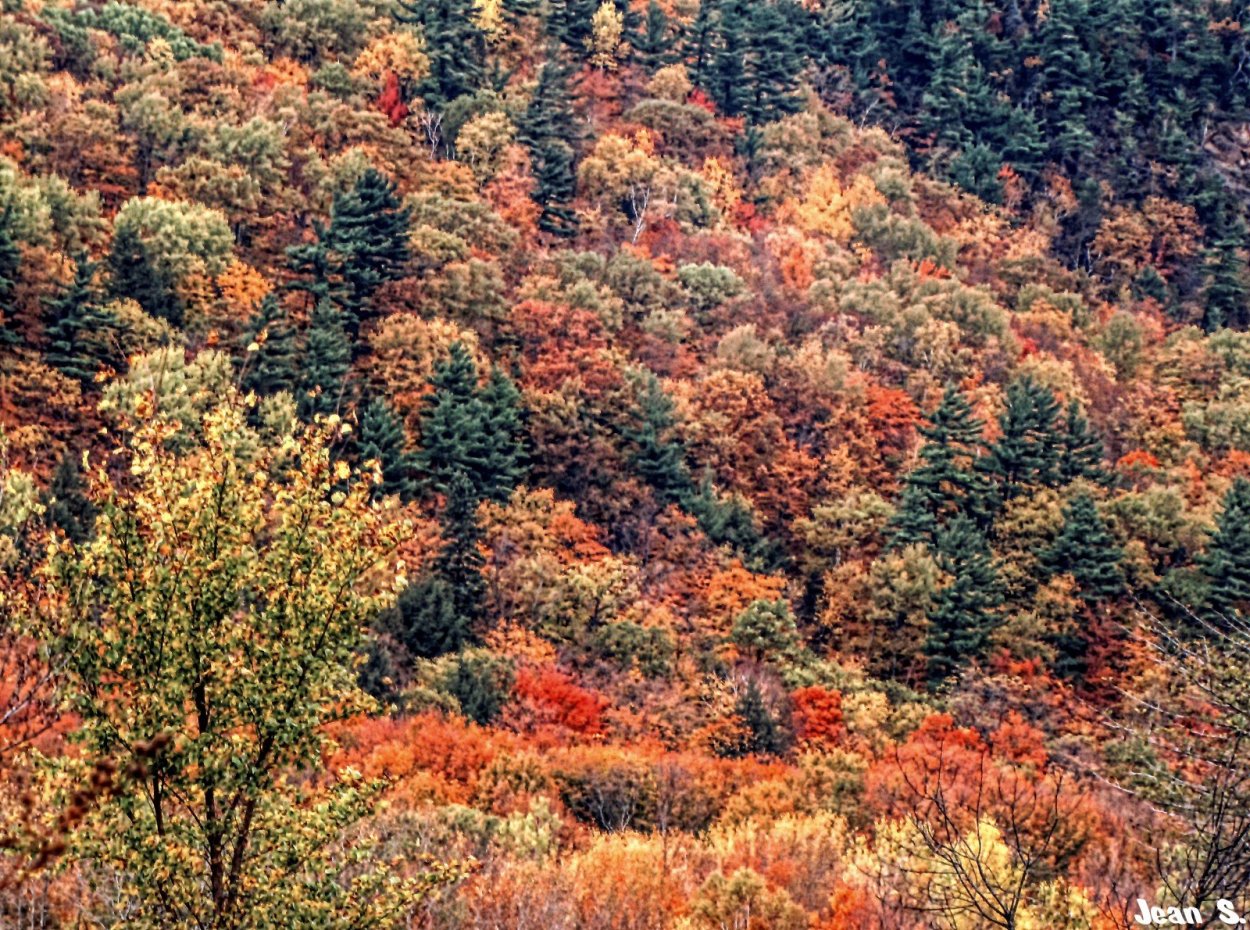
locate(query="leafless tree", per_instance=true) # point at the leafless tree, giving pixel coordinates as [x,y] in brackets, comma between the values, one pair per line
[1193,718]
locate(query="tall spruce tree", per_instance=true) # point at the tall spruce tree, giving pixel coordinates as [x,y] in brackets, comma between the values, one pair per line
[10,263]
[655,42]
[1027,452]
[505,451]
[568,22]
[764,735]
[67,505]
[273,366]
[454,44]
[948,480]
[425,619]
[78,330]
[368,240]
[1226,563]
[773,65]
[963,613]
[327,359]
[659,459]
[459,561]
[312,268]
[382,439]
[134,275]
[471,431]
[549,131]
[727,75]
[1080,449]
[1087,551]
[453,431]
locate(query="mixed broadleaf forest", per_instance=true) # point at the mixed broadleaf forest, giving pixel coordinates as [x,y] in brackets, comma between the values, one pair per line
[624,464]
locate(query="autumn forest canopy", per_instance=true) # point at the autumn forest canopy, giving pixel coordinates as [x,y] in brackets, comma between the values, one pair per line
[623,464]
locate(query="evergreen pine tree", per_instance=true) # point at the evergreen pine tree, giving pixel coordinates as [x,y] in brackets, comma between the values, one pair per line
[1086,550]
[480,684]
[424,619]
[368,240]
[10,262]
[730,521]
[653,45]
[327,359]
[453,430]
[382,439]
[549,130]
[764,735]
[312,268]
[700,43]
[505,452]
[68,508]
[78,330]
[272,367]
[133,274]
[459,561]
[659,460]
[568,22]
[471,431]
[454,45]
[1068,80]
[947,481]
[727,85]
[963,613]
[1226,563]
[1080,449]
[773,66]
[1027,452]
[1226,294]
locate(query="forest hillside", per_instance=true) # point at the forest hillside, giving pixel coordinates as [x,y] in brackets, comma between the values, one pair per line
[671,465]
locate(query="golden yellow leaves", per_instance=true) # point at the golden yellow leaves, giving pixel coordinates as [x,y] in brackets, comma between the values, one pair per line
[242,288]
[605,41]
[401,53]
[827,205]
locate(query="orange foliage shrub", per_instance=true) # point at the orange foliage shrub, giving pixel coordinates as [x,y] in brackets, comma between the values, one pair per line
[548,701]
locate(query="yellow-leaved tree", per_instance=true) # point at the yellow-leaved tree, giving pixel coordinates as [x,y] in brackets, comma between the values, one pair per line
[210,631]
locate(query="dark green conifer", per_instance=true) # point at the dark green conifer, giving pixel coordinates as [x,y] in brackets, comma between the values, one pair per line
[459,561]
[453,440]
[425,619]
[948,480]
[764,736]
[773,65]
[653,45]
[727,76]
[1027,452]
[1087,551]
[327,359]
[505,446]
[549,130]
[77,329]
[729,520]
[1080,449]
[273,366]
[382,439]
[10,262]
[368,240]
[134,275]
[68,508]
[480,684]
[312,268]
[454,45]
[659,459]
[963,614]
[1226,563]
[471,431]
